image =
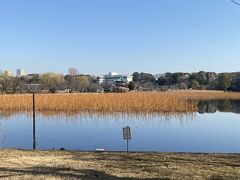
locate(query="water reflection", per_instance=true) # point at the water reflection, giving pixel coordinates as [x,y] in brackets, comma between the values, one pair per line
[212,106]
[151,131]
[64,120]
[97,117]
[181,132]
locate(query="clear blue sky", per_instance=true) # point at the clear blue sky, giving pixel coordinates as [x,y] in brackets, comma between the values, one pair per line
[97,36]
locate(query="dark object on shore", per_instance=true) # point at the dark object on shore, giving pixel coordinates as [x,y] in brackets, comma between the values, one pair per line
[62,149]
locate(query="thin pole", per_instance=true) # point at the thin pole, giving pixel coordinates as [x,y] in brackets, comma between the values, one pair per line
[34,123]
[127,145]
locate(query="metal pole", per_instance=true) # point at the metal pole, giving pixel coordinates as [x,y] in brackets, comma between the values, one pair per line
[34,123]
[127,145]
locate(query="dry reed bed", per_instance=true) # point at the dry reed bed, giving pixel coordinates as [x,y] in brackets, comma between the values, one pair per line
[208,95]
[129,102]
[147,102]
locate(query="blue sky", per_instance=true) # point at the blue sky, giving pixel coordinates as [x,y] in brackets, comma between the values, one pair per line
[97,36]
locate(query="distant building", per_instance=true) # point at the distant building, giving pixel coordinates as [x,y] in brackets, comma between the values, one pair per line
[8,73]
[114,77]
[112,73]
[33,87]
[20,72]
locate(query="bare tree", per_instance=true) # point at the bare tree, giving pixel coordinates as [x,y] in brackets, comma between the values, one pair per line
[73,72]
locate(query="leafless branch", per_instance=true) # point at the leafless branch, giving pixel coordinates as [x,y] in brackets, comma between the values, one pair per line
[235,2]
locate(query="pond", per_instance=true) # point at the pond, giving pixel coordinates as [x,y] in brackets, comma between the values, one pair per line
[214,128]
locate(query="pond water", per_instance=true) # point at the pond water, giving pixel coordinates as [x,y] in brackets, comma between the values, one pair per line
[215,128]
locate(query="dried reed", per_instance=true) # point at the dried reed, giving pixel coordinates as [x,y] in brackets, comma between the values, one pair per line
[146,102]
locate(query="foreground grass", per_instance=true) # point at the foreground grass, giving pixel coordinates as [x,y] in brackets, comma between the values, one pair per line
[18,164]
[148,102]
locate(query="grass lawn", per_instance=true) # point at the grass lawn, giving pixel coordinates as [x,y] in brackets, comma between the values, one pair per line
[21,164]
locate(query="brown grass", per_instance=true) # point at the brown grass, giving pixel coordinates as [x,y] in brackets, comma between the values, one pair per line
[157,102]
[16,164]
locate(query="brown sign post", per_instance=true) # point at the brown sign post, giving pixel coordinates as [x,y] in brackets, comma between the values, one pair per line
[127,134]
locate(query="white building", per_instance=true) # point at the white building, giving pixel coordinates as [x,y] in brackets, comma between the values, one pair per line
[20,72]
[114,77]
[112,73]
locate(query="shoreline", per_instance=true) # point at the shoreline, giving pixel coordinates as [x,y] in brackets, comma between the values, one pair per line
[119,151]
[55,164]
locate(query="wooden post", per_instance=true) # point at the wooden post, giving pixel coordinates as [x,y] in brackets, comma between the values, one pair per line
[34,122]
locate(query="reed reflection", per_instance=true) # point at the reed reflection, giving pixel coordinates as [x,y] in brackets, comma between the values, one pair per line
[101,118]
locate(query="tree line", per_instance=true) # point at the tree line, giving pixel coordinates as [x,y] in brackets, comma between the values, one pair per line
[200,80]
[49,82]
[76,82]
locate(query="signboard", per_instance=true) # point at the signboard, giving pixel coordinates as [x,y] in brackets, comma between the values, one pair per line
[126,133]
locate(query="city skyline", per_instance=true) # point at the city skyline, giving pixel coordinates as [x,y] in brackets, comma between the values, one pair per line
[124,36]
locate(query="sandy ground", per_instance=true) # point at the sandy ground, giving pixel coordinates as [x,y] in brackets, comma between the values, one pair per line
[21,164]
